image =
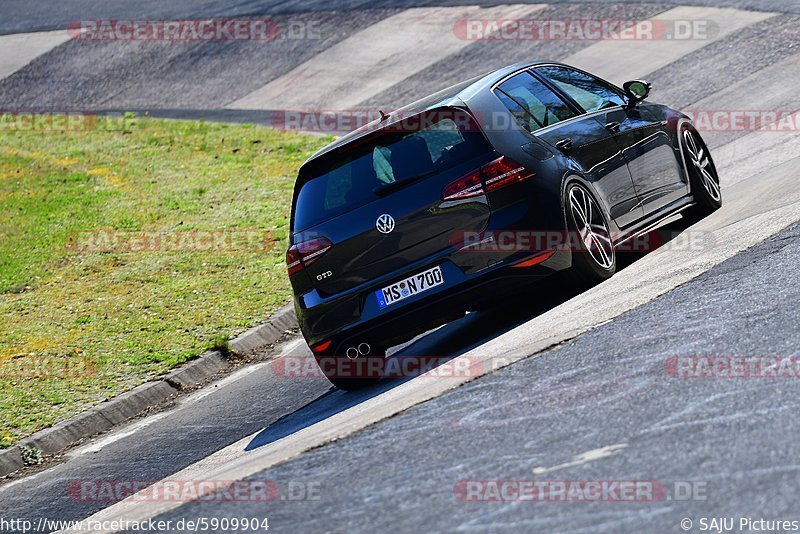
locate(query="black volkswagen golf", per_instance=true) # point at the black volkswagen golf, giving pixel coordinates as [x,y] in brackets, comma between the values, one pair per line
[416,218]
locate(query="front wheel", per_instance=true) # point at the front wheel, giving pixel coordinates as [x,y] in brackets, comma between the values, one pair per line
[703,176]
[593,255]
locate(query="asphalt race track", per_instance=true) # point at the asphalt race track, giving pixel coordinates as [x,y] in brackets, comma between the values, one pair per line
[561,385]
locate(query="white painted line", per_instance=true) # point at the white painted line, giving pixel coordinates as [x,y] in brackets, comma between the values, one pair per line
[373,59]
[228,380]
[7,486]
[289,347]
[98,445]
[751,154]
[754,210]
[622,60]
[773,88]
[130,429]
[584,457]
[19,49]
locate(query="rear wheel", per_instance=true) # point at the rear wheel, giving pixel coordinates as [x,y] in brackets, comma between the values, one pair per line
[703,177]
[350,374]
[593,255]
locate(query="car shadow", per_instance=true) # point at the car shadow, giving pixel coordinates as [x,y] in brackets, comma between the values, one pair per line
[458,337]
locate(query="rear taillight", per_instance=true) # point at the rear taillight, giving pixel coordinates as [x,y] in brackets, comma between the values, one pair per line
[305,253]
[499,173]
[502,172]
[465,187]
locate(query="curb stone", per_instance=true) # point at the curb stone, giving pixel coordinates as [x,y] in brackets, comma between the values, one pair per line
[188,376]
[265,334]
[11,460]
[132,403]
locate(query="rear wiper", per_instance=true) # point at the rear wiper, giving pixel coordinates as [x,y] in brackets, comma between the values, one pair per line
[393,186]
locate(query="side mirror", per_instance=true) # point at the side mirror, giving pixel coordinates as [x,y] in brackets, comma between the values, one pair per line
[636,91]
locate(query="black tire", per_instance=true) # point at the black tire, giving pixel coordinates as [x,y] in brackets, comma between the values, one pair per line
[352,375]
[596,261]
[702,173]
[353,384]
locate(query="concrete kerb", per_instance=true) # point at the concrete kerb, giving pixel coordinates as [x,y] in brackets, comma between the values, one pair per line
[122,408]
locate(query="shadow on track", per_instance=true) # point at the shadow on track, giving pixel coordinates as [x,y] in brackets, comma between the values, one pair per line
[455,339]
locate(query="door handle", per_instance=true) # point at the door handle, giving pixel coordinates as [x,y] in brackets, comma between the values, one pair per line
[613,127]
[564,145]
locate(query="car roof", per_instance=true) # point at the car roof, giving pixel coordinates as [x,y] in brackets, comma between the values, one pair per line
[453,96]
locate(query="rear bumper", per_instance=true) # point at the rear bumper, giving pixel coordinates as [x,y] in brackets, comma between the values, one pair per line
[357,318]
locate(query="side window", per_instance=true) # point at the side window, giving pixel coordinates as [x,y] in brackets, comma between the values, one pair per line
[531,103]
[589,92]
[522,117]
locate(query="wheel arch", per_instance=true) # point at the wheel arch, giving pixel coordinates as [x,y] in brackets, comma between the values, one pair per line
[570,176]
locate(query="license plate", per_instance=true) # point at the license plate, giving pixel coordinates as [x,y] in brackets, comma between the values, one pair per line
[413,285]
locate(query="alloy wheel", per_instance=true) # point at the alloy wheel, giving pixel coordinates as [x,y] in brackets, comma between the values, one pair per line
[698,156]
[591,226]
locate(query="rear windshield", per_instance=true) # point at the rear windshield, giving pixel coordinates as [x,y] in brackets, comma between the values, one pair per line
[416,147]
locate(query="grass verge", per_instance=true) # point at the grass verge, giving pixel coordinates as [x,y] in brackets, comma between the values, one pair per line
[126,252]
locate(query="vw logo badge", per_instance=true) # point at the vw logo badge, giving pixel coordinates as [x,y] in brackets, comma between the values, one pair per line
[385,223]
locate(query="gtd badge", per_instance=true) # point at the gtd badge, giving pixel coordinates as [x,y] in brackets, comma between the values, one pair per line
[385,223]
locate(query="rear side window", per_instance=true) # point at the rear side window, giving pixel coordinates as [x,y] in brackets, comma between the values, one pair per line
[591,93]
[532,104]
[353,176]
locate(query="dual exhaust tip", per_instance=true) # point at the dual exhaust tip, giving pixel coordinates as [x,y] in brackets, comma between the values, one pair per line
[361,350]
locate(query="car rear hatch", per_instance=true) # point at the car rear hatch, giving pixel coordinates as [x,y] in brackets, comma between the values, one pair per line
[392,198]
